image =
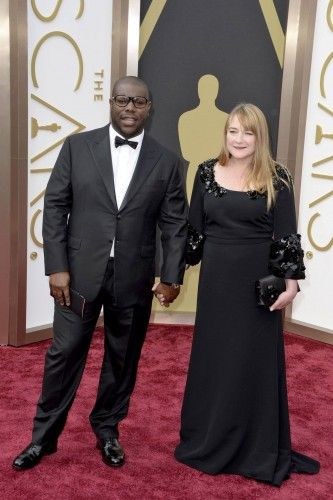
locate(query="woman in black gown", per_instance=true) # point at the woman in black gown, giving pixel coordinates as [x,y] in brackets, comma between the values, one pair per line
[235,410]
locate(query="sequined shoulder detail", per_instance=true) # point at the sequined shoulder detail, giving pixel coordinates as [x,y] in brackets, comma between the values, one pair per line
[283,178]
[208,179]
[206,170]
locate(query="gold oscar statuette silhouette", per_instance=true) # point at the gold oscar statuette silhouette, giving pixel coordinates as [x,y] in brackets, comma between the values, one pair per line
[320,135]
[52,127]
[200,129]
[200,137]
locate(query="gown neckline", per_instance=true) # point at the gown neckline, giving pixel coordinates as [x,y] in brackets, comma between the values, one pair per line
[223,187]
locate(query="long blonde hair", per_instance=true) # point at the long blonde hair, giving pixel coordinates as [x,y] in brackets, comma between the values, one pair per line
[263,168]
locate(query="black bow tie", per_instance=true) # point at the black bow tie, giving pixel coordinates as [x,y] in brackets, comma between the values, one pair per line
[121,142]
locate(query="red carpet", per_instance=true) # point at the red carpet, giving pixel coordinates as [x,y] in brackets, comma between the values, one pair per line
[150,432]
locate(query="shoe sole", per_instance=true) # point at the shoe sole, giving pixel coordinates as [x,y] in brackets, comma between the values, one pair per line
[110,464]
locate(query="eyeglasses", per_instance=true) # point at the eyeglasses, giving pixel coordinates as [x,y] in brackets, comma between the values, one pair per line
[124,100]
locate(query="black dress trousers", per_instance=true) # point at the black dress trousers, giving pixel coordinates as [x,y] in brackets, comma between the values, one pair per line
[125,329]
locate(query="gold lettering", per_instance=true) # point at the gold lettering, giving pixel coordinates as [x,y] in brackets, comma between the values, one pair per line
[46,18]
[311,239]
[327,110]
[81,9]
[32,229]
[100,73]
[322,176]
[329,15]
[319,200]
[40,43]
[55,12]
[38,197]
[322,73]
[98,97]
[40,170]
[98,85]
[320,162]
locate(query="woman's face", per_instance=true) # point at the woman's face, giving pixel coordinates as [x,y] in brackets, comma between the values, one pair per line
[241,143]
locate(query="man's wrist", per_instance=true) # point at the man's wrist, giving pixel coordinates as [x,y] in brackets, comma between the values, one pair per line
[175,286]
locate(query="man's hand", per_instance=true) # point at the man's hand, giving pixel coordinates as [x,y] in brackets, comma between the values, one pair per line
[59,287]
[166,294]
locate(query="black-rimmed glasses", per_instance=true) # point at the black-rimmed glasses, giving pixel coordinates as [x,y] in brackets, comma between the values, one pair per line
[123,100]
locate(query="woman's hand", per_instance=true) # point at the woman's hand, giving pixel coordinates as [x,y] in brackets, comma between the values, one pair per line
[286,298]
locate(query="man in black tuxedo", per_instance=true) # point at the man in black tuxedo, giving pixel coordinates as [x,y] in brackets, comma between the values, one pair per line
[108,191]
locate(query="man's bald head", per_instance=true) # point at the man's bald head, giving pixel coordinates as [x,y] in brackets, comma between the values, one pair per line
[132,80]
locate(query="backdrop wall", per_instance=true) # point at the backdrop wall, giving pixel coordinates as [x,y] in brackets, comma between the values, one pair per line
[200,59]
[69,60]
[313,306]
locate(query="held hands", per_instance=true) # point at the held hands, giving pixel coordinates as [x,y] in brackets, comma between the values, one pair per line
[59,287]
[286,298]
[165,294]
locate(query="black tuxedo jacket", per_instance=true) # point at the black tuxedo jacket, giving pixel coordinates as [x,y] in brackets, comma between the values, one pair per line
[81,218]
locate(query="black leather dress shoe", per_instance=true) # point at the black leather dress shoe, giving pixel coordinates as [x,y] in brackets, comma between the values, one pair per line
[32,455]
[112,452]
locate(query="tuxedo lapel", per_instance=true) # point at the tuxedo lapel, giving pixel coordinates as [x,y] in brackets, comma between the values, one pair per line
[101,152]
[149,155]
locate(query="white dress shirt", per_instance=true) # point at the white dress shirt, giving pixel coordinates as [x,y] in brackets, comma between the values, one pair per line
[124,160]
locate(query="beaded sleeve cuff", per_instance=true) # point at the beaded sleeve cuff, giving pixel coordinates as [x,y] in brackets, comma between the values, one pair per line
[286,257]
[194,246]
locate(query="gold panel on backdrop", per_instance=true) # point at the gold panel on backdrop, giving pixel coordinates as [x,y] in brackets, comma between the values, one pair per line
[149,23]
[274,27]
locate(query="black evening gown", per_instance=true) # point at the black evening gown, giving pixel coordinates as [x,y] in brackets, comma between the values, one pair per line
[235,411]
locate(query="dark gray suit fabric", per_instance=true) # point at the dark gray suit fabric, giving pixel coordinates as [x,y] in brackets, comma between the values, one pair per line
[81,188]
[125,331]
[81,219]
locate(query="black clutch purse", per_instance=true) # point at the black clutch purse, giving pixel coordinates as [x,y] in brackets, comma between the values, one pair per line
[268,289]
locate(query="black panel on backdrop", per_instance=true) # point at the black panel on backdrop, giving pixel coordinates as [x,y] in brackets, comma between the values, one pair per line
[228,39]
